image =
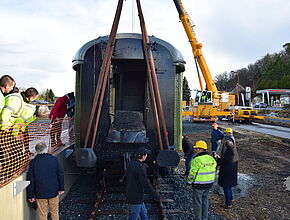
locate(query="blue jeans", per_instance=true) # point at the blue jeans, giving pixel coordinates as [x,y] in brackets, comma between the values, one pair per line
[228,195]
[200,202]
[215,146]
[138,210]
[187,163]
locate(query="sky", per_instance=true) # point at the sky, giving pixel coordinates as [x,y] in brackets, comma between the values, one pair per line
[39,38]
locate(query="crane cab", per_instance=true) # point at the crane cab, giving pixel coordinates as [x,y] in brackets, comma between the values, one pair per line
[203,96]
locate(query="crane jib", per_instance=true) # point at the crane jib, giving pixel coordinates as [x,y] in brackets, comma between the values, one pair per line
[178,7]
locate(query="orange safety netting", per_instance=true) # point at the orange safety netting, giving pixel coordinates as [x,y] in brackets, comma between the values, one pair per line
[16,150]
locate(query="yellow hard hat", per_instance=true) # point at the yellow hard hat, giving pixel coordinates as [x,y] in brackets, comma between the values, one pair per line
[200,144]
[229,130]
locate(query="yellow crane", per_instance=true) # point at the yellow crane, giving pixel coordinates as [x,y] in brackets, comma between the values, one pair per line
[209,103]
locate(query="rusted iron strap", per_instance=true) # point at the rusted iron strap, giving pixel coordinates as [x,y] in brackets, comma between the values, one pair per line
[149,56]
[149,70]
[103,75]
[110,47]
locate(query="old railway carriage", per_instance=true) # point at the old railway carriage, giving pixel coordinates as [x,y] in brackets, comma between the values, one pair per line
[126,120]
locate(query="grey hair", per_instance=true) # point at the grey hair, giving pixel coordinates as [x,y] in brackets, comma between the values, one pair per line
[41,148]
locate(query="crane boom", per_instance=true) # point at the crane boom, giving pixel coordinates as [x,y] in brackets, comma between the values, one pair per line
[196,47]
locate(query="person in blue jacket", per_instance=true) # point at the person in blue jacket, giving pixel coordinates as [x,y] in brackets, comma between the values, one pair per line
[46,182]
[216,137]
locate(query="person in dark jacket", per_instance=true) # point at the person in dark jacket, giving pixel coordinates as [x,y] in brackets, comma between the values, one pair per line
[187,148]
[56,116]
[136,183]
[216,137]
[46,182]
[228,162]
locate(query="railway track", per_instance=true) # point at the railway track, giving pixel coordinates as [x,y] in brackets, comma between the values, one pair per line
[111,200]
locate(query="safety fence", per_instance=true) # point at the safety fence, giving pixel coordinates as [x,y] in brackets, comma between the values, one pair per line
[17,147]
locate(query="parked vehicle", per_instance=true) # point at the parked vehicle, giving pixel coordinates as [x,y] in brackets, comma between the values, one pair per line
[260,105]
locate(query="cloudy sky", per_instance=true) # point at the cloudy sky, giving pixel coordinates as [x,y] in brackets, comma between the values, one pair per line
[39,38]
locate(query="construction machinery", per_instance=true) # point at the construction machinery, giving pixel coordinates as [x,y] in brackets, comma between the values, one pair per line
[209,104]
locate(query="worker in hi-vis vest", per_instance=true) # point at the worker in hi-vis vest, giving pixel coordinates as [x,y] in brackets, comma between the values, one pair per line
[201,177]
[13,107]
[26,116]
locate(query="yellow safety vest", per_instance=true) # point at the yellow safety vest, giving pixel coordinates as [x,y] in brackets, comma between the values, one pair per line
[12,108]
[202,170]
[26,116]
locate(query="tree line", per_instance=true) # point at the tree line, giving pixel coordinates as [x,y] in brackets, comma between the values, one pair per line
[47,95]
[270,72]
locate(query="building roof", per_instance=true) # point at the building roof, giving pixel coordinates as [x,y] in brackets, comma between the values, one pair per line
[238,89]
[274,91]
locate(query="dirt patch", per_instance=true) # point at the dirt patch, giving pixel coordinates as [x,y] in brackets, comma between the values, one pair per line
[267,160]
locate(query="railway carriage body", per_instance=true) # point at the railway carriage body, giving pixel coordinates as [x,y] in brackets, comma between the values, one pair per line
[127,120]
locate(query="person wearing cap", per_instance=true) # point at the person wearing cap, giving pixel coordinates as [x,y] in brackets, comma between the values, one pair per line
[56,116]
[228,163]
[136,183]
[201,177]
[216,137]
[46,182]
